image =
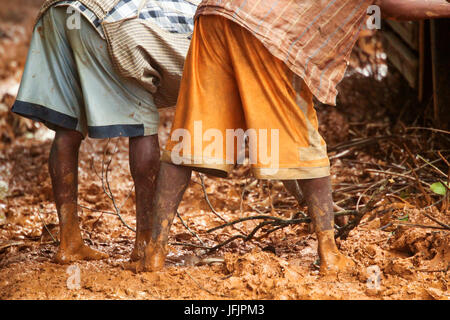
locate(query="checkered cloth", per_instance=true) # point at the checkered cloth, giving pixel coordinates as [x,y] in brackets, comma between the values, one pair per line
[175,16]
[150,48]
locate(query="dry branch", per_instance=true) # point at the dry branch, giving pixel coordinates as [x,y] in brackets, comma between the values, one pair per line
[344,231]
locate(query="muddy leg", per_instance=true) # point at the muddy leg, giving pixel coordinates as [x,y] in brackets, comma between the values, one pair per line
[171,185]
[63,166]
[144,166]
[317,193]
[294,189]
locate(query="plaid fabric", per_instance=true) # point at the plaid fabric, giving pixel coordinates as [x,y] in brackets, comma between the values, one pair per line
[314,38]
[176,16]
[150,48]
[90,16]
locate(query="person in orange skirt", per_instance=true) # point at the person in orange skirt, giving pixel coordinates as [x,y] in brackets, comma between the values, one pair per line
[251,73]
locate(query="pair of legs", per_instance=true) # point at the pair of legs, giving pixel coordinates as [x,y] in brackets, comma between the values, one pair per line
[171,185]
[63,166]
[293,186]
[232,82]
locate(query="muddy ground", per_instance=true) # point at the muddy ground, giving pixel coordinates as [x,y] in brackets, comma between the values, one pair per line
[400,253]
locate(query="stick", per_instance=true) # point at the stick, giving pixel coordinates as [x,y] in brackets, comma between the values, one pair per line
[274,221]
[96,210]
[260,217]
[108,186]
[362,142]
[46,228]
[344,231]
[429,129]
[437,221]
[432,165]
[189,229]
[186,244]
[418,226]
[202,179]
[403,175]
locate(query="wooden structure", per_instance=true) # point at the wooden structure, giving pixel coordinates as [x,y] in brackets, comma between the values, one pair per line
[421,52]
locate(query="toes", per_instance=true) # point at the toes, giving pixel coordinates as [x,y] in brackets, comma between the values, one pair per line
[91,254]
[82,253]
[340,265]
[130,266]
[61,258]
[136,255]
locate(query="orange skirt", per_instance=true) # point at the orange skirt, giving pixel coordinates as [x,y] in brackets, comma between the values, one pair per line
[234,92]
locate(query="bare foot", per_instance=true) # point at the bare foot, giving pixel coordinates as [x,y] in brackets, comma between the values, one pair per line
[332,262]
[82,252]
[139,245]
[153,260]
[138,252]
[336,263]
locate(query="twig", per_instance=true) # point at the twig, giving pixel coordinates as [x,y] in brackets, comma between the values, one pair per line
[261,217]
[443,158]
[346,213]
[96,210]
[362,142]
[444,183]
[419,186]
[241,205]
[437,221]
[107,187]
[344,231]
[189,229]
[447,197]
[418,225]
[186,244]
[434,204]
[270,221]
[432,165]
[46,228]
[403,175]
[432,271]
[429,129]
[269,186]
[202,179]
[339,155]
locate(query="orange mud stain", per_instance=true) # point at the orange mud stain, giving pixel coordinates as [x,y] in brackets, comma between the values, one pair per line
[41,33]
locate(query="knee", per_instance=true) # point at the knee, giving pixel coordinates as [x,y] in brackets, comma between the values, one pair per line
[144,157]
[67,140]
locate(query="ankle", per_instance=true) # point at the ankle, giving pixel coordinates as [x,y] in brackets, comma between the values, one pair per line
[326,242]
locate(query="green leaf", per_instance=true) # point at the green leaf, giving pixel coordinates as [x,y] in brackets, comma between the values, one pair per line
[438,188]
[405,218]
